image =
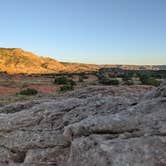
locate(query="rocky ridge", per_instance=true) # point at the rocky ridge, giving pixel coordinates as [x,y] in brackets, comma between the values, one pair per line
[93,126]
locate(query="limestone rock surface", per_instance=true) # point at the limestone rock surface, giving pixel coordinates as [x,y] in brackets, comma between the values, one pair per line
[93,126]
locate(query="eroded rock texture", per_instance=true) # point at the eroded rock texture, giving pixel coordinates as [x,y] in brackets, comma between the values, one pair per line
[94,126]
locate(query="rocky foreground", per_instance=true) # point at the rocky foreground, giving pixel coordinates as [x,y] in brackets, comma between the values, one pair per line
[94,126]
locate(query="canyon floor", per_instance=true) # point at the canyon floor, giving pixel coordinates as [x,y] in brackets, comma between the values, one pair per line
[93,125]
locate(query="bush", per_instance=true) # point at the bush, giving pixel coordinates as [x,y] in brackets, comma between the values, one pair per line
[61,80]
[68,84]
[67,87]
[126,77]
[114,82]
[106,81]
[28,92]
[147,80]
[100,76]
[112,75]
[71,82]
[153,82]
[64,81]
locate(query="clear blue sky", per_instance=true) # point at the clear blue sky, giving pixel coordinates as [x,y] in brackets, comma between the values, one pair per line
[89,31]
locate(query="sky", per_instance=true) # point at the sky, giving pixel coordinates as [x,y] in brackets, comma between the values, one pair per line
[87,31]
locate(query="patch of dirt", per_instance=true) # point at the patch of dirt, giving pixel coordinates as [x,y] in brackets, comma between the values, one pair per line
[92,78]
[4,90]
[45,88]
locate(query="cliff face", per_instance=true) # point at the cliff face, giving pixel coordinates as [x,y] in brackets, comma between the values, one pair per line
[93,126]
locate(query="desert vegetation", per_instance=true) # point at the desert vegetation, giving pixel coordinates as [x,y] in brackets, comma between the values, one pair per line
[66,83]
[108,81]
[28,92]
[132,77]
[148,80]
[51,84]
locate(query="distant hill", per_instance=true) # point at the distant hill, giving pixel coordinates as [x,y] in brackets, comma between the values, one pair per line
[16,60]
[136,67]
[79,67]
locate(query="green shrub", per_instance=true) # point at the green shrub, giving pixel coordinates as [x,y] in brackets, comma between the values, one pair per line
[68,84]
[106,81]
[28,92]
[63,81]
[144,78]
[112,75]
[147,80]
[114,82]
[153,82]
[67,87]
[71,82]
[100,76]
[126,77]
[60,80]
